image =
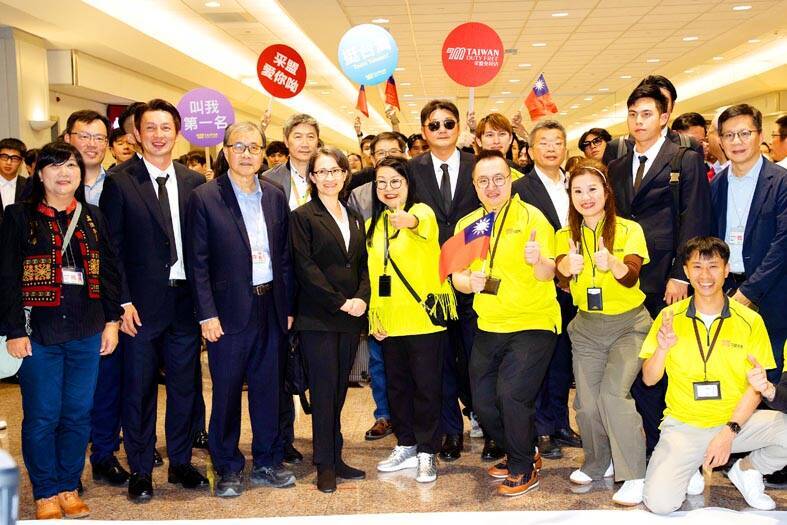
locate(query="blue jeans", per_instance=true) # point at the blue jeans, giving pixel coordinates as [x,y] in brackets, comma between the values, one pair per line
[57,384]
[379,385]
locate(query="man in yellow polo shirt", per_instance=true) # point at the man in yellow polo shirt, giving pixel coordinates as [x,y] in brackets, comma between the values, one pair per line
[518,320]
[706,344]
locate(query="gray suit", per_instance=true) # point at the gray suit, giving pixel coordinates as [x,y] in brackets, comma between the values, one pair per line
[360,200]
[281,176]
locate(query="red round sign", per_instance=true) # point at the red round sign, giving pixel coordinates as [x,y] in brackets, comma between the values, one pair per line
[281,71]
[472,54]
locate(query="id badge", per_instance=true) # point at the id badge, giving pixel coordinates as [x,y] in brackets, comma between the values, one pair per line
[259,256]
[491,286]
[384,286]
[736,236]
[595,302]
[704,390]
[73,276]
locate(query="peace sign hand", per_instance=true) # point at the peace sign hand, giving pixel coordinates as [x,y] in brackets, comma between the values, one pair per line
[666,335]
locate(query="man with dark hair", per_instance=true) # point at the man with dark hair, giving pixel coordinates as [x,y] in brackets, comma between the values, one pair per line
[695,126]
[12,185]
[276,153]
[126,123]
[88,131]
[416,145]
[30,160]
[366,151]
[144,203]
[120,146]
[665,189]
[779,142]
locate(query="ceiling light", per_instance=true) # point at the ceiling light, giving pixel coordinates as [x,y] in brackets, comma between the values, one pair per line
[405,84]
[625,77]
[380,21]
[399,69]
[689,71]
[754,41]
[588,98]
[407,95]
[603,89]
[505,92]
[741,7]
[564,112]
[525,65]
[690,38]
[342,107]
[212,4]
[513,80]
[718,58]
[559,15]
[604,110]
[412,104]
[575,106]
[539,44]
[653,60]
[325,92]
[498,102]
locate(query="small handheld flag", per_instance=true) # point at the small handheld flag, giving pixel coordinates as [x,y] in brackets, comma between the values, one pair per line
[470,244]
[539,102]
[391,97]
[361,104]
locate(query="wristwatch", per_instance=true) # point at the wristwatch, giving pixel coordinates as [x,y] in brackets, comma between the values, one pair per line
[735,427]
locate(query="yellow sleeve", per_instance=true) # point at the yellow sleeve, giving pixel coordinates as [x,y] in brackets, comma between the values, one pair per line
[427,224]
[635,243]
[651,342]
[561,241]
[545,234]
[759,345]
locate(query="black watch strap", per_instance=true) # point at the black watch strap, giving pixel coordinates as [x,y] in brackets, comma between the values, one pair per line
[735,427]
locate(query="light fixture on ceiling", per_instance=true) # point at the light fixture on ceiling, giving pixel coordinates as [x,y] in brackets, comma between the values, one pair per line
[325,92]
[525,64]
[690,38]
[741,7]
[412,104]
[625,77]
[212,4]
[653,60]
[603,89]
[513,80]
[399,69]
[560,15]
[380,21]
[539,44]
[575,106]
[717,58]
[689,71]
[405,83]
[564,112]
[505,92]
[498,102]
[40,125]
[588,99]
[754,41]
[408,95]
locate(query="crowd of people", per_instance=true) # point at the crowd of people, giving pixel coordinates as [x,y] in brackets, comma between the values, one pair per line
[650,271]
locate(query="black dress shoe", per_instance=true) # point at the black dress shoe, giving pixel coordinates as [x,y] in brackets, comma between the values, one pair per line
[777,480]
[200,440]
[567,438]
[111,471]
[326,480]
[452,447]
[548,448]
[186,475]
[80,488]
[345,471]
[140,487]
[157,459]
[291,455]
[491,451]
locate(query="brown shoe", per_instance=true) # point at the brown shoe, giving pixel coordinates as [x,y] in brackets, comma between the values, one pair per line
[380,429]
[537,461]
[518,485]
[48,509]
[499,470]
[72,505]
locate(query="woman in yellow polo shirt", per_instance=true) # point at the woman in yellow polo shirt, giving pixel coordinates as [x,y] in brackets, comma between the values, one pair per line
[404,251]
[600,256]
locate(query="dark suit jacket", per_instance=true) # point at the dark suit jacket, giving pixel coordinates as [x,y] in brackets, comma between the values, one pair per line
[651,207]
[764,241]
[327,273]
[611,152]
[19,193]
[532,191]
[428,191]
[281,175]
[136,226]
[219,253]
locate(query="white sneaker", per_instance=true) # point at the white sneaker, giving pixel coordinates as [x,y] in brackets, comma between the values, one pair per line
[610,472]
[630,493]
[475,428]
[749,483]
[580,478]
[427,468]
[696,484]
[401,458]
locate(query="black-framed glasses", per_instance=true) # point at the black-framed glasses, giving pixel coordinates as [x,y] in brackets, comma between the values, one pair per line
[595,142]
[240,148]
[13,158]
[394,184]
[743,134]
[323,174]
[87,137]
[448,124]
[383,153]
[497,180]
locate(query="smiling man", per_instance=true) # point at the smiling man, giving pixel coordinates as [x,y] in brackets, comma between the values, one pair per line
[88,131]
[12,186]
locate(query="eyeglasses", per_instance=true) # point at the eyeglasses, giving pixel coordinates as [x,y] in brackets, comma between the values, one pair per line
[240,148]
[744,135]
[448,124]
[13,158]
[595,142]
[497,180]
[87,137]
[394,184]
[323,174]
[547,145]
[382,153]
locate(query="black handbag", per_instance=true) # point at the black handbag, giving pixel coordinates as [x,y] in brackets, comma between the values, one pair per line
[436,310]
[296,378]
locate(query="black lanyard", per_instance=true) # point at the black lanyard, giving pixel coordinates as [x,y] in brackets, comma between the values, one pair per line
[704,357]
[386,257]
[585,247]
[497,236]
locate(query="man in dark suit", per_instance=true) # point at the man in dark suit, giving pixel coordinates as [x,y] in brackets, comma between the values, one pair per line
[641,182]
[144,202]
[12,185]
[241,273]
[544,187]
[444,181]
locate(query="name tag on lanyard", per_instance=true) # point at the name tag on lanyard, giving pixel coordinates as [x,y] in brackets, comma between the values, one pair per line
[706,390]
[73,276]
[259,257]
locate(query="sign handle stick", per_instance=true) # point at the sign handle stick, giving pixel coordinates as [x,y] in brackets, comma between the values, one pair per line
[208,163]
[471,100]
[270,102]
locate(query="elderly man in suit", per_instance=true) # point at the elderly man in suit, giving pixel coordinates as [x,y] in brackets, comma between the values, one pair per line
[144,202]
[12,185]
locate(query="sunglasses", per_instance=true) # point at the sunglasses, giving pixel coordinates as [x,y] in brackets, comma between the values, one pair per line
[595,142]
[448,124]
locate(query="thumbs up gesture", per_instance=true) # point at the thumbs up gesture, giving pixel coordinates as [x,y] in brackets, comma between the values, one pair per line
[532,249]
[400,219]
[602,256]
[666,336]
[576,262]
[757,378]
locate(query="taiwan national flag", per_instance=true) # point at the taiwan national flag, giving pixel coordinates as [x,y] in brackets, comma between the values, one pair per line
[391,97]
[470,244]
[539,101]
[361,104]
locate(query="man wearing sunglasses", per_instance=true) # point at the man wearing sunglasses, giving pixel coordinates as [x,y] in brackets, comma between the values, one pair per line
[12,186]
[444,181]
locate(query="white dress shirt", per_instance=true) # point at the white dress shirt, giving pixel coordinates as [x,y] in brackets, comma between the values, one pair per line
[8,190]
[343,222]
[299,188]
[557,194]
[650,154]
[178,270]
[783,163]
[453,170]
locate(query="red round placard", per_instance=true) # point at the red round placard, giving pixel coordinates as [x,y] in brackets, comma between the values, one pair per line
[281,71]
[472,54]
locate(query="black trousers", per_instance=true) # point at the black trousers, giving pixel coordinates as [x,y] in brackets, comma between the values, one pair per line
[329,358]
[506,371]
[413,368]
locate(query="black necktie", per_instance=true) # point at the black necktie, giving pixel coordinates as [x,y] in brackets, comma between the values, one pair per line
[640,172]
[445,187]
[163,200]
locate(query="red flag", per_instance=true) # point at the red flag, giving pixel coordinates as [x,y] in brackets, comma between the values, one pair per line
[458,252]
[391,98]
[539,101]
[361,104]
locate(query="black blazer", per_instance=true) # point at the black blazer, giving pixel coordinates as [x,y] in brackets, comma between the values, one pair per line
[136,227]
[19,193]
[651,207]
[611,152]
[428,191]
[327,273]
[219,254]
[532,191]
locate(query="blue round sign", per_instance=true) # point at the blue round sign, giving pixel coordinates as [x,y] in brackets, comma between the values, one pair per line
[368,54]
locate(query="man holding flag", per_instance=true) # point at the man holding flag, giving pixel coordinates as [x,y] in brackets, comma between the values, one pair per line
[518,315]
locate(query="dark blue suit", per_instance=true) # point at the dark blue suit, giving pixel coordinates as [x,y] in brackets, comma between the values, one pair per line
[254,325]
[169,328]
[764,249]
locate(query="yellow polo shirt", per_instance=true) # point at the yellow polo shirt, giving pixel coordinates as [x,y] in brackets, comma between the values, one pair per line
[616,298]
[522,302]
[742,333]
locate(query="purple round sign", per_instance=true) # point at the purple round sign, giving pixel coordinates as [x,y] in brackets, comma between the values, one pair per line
[205,114]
